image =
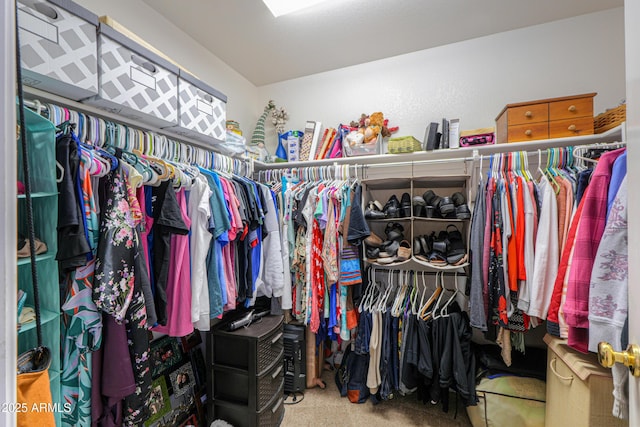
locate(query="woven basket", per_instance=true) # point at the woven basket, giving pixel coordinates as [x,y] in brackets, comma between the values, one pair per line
[609,119]
[404,144]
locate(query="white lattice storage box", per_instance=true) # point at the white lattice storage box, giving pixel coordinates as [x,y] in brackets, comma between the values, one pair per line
[135,82]
[202,110]
[58,47]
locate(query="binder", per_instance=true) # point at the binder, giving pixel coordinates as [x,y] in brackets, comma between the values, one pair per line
[431,137]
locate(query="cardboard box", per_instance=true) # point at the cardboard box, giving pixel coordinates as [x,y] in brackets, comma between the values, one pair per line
[58,48]
[578,389]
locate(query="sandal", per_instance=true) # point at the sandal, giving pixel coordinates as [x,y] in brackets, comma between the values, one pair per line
[389,249]
[404,251]
[457,252]
[439,249]
[425,248]
[461,207]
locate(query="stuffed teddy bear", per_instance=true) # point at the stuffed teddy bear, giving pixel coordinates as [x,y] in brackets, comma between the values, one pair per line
[372,126]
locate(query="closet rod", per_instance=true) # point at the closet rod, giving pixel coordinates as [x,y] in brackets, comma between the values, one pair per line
[384,271]
[40,95]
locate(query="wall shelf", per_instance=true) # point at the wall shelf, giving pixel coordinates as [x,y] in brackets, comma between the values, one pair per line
[463,153]
[41,257]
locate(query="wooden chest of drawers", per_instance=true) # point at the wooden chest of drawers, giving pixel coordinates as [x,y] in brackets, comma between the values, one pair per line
[546,119]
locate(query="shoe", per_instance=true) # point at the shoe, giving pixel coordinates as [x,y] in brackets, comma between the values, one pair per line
[24,247]
[373,240]
[404,251]
[443,205]
[372,253]
[373,211]
[456,251]
[439,249]
[405,205]
[389,249]
[394,231]
[418,206]
[446,206]
[417,247]
[392,208]
[461,207]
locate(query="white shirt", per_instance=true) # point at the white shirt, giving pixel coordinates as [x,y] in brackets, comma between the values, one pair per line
[547,252]
[199,213]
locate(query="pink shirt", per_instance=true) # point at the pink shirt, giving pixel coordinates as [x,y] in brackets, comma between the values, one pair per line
[179,281]
[588,236]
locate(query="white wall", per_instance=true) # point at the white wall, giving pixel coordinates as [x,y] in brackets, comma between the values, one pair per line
[471,80]
[156,30]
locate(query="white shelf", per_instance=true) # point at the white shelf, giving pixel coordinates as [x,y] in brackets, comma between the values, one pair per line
[461,154]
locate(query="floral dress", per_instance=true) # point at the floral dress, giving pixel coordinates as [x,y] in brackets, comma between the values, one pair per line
[118,288]
[114,278]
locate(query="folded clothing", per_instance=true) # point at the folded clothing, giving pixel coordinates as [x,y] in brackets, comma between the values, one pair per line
[27,315]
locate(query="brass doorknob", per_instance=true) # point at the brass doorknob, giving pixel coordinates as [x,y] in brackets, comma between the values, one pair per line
[630,358]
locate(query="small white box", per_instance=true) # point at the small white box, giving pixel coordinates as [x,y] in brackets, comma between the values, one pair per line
[58,47]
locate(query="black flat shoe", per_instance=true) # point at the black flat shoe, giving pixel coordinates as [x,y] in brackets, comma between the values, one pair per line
[372,212]
[405,205]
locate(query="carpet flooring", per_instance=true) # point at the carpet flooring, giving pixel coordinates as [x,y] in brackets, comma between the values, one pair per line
[325,407]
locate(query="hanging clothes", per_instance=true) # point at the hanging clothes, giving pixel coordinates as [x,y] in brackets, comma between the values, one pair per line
[178,308]
[592,223]
[200,211]
[167,221]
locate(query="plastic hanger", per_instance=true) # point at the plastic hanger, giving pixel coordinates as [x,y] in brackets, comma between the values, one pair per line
[425,313]
[444,311]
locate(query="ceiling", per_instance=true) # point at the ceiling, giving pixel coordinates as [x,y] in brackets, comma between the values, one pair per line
[341,33]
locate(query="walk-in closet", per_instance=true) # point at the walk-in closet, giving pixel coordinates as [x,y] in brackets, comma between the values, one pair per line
[330,212]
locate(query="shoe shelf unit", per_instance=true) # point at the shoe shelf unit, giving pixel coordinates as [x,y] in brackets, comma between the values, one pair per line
[409,182]
[42,167]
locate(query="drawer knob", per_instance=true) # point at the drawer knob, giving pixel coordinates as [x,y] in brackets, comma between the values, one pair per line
[572,108]
[528,114]
[528,132]
[572,128]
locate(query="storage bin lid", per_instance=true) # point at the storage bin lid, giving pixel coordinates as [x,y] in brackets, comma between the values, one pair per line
[76,10]
[137,48]
[202,85]
[583,365]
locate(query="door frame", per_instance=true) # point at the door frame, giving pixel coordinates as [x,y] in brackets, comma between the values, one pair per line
[632,73]
[8,267]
